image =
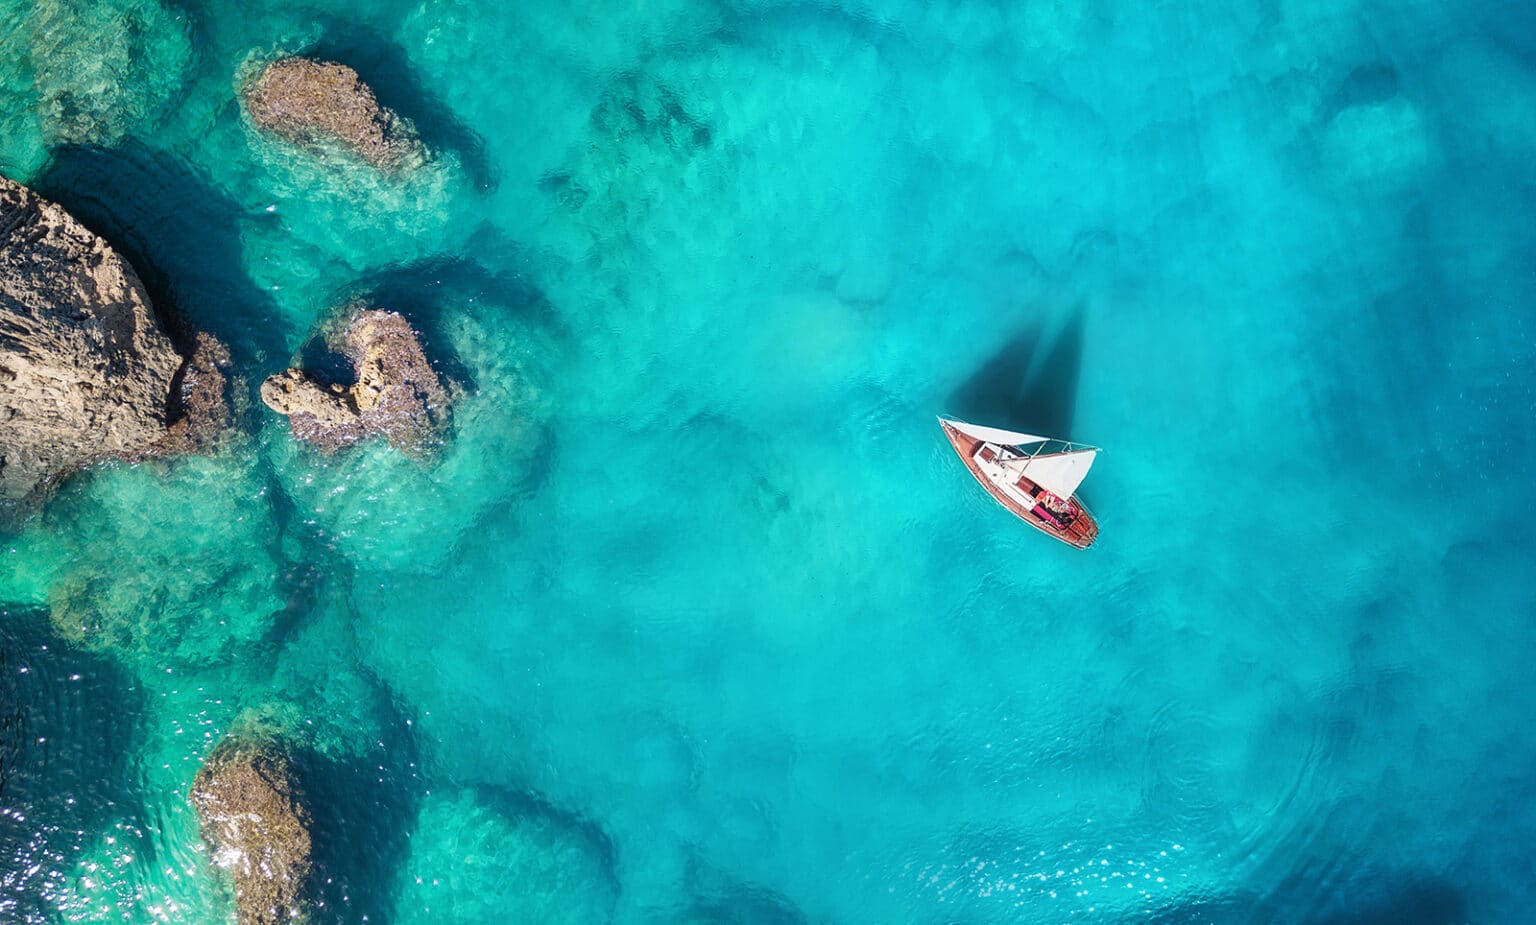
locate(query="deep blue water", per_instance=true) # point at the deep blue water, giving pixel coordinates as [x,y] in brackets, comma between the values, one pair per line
[696,618]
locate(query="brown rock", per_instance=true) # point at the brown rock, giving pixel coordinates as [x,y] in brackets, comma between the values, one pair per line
[199,406]
[396,393]
[256,821]
[86,371]
[322,104]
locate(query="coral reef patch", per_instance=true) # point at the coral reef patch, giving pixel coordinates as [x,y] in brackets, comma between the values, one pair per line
[511,858]
[134,570]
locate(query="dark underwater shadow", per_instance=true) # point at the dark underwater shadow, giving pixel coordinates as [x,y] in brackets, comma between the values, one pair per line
[386,68]
[428,286]
[529,805]
[719,899]
[325,364]
[363,810]
[68,722]
[1030,384]
[183,236]
[428,292]
[744,906]
[1413,898]
[523,804]
[1401,900]
[1368,84]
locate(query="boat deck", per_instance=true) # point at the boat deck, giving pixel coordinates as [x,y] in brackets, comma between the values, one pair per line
[1020,495]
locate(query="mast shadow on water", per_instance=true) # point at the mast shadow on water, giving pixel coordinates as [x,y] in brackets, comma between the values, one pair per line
[1029,384]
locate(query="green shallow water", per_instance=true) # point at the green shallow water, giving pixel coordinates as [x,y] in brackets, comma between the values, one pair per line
[695,618]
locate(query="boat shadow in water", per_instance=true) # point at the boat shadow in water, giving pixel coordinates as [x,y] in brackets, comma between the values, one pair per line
[1029,384]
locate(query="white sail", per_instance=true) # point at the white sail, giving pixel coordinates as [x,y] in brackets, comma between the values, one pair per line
[1057,473]
[994,434]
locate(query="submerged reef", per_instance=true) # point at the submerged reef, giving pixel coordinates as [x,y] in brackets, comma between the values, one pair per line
[321,105]
[395,393]
[483,855]
[256,819]
[135,570]
[87,373]
[104,71]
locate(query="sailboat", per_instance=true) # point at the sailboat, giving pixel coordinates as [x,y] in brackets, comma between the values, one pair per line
[1035,478]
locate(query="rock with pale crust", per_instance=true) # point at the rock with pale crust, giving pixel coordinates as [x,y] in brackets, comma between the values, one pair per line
[321,104]
[396,393]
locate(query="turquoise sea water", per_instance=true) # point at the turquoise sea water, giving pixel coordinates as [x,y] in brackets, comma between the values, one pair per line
[696,618]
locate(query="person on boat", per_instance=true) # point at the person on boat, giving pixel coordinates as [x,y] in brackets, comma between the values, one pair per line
[1064,511]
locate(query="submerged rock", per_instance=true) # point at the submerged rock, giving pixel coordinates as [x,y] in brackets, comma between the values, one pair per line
[321,104]
[256,821]
[479,855]
[86,371]
[136,570]
[396,393]
[100,72]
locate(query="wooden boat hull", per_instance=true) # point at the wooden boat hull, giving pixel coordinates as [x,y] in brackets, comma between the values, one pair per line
[1080,532]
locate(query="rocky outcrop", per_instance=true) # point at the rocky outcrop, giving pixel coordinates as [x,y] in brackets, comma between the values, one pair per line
[395,391]
[321,105]
[87,373]
[256,821]
[199,406]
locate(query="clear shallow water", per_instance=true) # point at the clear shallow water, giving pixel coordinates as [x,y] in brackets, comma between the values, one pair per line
[697,619]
